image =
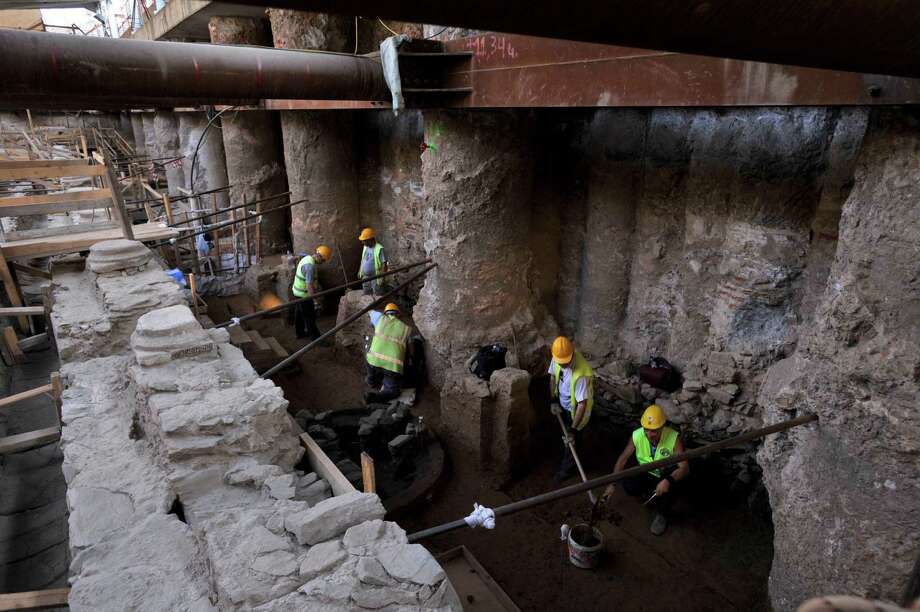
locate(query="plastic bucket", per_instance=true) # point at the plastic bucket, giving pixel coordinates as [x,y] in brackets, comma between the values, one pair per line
[586,545]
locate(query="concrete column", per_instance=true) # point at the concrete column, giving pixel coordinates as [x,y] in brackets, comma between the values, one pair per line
[252,141]
[319,150]
[478,189]
[210,167]
[137,127]
[166,145]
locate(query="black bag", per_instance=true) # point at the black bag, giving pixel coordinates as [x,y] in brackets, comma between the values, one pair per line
[660,374]
[488,359]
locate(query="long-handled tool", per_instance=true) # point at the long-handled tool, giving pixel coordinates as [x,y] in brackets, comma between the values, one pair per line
[571,444]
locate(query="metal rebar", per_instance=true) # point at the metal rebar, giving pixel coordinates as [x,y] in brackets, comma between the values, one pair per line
[180,198]
[346,322]
[286,305]
[575,489]
[229,208]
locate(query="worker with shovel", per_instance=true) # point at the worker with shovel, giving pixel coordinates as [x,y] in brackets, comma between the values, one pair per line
[373,262]
[653,441]
[305,285]
[572,388]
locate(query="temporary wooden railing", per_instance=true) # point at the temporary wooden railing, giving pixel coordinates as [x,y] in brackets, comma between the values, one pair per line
[39,437]
[35,600]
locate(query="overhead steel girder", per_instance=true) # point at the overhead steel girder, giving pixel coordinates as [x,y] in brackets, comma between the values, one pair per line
[872,36]
[59,67]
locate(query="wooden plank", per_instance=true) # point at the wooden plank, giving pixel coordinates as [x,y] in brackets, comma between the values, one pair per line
[57,198]
[21,174]
[31,439]
[108,178]
[324,466]
[42,163]
[368,474]
[151,190]
[12,289]
[33,341]
[194,289]
[57,393]
[473,583]
[45,247]
[35,600]
[31,271]
[169,212]
[22,311]
[60,230]
[48,209]
[12,345]
[12,399]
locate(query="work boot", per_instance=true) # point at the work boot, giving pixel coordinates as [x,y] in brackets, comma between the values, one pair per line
[659,524]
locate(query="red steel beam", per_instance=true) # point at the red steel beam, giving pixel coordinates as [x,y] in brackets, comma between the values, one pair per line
[872,36]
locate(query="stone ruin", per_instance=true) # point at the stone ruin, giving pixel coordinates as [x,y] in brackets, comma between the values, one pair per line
[181,468]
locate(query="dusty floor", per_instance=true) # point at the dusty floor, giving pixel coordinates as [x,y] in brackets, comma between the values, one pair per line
[715,555]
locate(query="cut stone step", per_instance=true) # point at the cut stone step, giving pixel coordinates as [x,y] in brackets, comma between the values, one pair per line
[276,347]
[238,336]
[259,341]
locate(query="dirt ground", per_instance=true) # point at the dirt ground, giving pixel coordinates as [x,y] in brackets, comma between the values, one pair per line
[715,554]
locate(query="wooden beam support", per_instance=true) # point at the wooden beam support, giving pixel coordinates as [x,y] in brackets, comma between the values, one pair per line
[22,311]
[33,341]
[29,440]
[111,182]
[12,289]
[35,600]
[12,345]
[57,393]
[30,270]
[368,473]
[325,468]
[24,174]
[25,395]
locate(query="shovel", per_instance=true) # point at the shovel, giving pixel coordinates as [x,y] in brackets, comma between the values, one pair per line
[571,445]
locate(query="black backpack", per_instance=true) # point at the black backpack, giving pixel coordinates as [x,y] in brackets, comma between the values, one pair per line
[660,374]
[488,359]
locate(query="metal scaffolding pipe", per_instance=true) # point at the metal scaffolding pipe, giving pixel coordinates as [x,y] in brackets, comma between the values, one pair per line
[59,67]
[545,498]
[874,36]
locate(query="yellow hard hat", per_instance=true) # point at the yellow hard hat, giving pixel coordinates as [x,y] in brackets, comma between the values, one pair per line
[563,350]
[654,417]
[391,307]
[325,251]
[367,233]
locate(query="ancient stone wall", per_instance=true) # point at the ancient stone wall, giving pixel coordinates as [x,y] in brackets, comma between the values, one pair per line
[180,462]
[844,492]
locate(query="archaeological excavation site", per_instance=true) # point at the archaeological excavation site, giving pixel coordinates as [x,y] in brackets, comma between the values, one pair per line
[316,305]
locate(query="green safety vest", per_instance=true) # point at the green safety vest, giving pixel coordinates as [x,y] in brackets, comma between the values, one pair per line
[644,448]
[300,288]
[580,369]
[378,265]
[388,348]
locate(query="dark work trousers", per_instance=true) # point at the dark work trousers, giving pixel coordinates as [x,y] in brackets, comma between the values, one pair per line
[305,320]
[568,467]
[643,486]
[390,381]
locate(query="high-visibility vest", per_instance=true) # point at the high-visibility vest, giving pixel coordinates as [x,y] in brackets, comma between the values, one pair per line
[664,449]
[580,369]
[300,288]
[378,265]
[388,348]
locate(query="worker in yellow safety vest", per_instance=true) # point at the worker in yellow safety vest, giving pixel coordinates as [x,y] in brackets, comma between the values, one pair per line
[653,441]
[572,389]
[305,285]
[373,261]
[386,357]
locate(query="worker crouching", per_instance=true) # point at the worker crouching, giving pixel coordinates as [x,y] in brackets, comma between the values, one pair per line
[572,389]
[386,357]
[653,441]
[306,285]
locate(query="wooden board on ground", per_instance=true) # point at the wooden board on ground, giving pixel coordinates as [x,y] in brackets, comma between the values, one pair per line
[35,600]
[475,587]
[30,439]
[59,245]
[325,468]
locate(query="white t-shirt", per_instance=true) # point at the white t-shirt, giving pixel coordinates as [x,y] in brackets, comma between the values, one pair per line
[565,386]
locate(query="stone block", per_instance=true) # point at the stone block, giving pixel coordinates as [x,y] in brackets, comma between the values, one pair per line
[396,444]
[116,255]
[411,563]
[724,394]
[169,333]
[370,571]
[510,427]
[368,537]
[322,558]
[314,492]
[721,367]
[250,472]
[694,386]
[281,487]
[334,516]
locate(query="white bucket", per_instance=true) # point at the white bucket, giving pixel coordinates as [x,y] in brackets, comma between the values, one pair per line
[586,545]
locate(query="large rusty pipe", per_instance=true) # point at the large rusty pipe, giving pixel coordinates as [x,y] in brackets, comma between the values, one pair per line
[60,66]
[874,36]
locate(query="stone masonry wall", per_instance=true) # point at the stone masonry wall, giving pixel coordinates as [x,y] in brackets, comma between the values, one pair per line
[180,463]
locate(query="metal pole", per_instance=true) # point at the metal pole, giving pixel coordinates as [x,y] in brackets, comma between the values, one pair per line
[229,223]
[56,67]
[346,322]
[544,498]
[181,198]
[571,444]
[229,208]
[286,305]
